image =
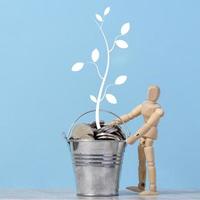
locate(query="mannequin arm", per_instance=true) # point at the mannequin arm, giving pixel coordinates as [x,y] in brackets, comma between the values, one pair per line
[153,120]
[127,117]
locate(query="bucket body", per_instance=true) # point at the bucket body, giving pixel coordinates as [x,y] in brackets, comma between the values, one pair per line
[97,166]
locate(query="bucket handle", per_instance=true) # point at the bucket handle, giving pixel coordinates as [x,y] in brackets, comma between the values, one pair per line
[102,110]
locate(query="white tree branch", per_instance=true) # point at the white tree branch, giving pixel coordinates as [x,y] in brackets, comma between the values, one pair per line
[104,78]
[105,91]
[113,46]
[97,68]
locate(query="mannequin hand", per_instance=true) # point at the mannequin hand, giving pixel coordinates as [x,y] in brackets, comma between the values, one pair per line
[112,123]
[131,140]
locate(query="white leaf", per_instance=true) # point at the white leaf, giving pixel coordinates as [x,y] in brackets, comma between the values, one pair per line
[77,66]
[106,11]
[125,28]
[95,55]
[121,44]
[99,18]
[120,80]
[111,99]
[93,98]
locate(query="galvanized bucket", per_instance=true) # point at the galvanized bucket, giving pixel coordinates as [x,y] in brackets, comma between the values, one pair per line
[97,164]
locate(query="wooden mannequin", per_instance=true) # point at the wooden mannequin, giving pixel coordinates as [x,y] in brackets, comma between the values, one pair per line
[151,112]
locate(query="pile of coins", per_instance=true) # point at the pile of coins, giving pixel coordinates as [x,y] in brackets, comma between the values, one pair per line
[90,132]
[107,132]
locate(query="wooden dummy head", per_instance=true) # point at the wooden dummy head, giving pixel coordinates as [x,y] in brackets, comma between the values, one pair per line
[153,93]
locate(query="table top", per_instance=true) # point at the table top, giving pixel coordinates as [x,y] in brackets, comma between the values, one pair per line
[8,194]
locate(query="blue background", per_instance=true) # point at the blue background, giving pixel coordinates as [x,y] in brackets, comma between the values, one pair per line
[40,96]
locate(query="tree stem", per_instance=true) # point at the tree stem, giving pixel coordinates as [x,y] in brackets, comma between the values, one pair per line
[97,114]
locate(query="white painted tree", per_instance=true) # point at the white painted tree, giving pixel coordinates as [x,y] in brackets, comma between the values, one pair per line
[95,55]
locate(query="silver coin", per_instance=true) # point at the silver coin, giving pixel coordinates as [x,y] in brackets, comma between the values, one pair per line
[113,130]
[121,135]
[105,134]
[108,138]
[81,130]
[105,128]
[117,134]
[108,135]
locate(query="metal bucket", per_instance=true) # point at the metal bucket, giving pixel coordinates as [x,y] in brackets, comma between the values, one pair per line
[97,165]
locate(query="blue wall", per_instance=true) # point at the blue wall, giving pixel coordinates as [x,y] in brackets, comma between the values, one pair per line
[40,96]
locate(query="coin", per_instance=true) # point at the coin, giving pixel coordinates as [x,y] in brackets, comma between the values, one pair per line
[86,131]
[108,135]
[81,130]
[108,138]
[93,124]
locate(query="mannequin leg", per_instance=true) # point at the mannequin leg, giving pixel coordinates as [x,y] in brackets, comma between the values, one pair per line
[141,168]
[149,154]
